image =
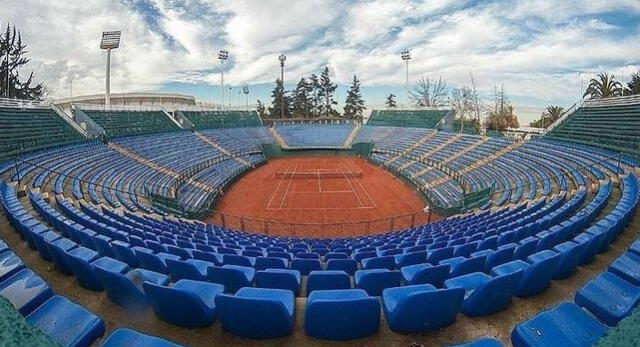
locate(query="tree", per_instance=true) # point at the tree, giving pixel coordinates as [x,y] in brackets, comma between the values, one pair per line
[604,86]
[277,95]
[463,102]
[11,43]
[501,116]
[391,101]
[302,99]
[633,86]
[428,93]
[548,117]
[354,104]
[326,90]
[262,111]
[316,99]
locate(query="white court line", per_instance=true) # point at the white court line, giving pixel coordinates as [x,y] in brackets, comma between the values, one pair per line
[273,195]
[284,198]
[353,190]
[319,208]
[363,188]
[319,182]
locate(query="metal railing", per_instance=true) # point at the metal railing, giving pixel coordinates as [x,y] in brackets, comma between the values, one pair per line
[17,103]
[322,229]
[562,118]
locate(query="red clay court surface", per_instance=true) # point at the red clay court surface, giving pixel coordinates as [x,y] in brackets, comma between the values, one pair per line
[319,197]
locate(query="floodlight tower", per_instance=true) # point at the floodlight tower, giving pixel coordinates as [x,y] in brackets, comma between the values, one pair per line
[406,56]
[110,40]
[245,91]
[282,59]
[222,56]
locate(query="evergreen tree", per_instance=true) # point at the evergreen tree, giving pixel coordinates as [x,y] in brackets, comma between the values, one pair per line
[326,90]
[278,98]
[316,98]
[302,104]
[11,43]
[354,104]
[391,101]
[501,116]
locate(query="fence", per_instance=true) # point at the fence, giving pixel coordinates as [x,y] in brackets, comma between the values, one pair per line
[319,229]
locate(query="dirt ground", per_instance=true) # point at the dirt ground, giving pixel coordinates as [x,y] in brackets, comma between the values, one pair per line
[320,197]
[465,329]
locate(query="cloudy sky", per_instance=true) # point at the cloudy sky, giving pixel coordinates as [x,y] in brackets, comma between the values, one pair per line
[541,51]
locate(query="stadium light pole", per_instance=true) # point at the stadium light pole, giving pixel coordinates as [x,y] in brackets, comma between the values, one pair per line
[282,59]
[222,56]
[245,91]
[110,40]
[406,56]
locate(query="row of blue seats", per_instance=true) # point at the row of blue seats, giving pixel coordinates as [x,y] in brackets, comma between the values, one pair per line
[603,301]
[65,322]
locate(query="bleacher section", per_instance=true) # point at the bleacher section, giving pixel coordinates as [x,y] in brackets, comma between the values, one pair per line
[607,124]
[557,207]
[407,118]
[122,123]
[222,119]
[315,135]
[32,129]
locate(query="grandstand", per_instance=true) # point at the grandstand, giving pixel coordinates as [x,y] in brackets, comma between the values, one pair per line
[610,124]
[556,228]
[222,119]
[408,118]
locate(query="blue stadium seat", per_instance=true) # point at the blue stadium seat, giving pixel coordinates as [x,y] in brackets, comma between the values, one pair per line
[425,274]
[278,279]
[627,267]
[57,250]
[387,262]
[26,291]
[263,263]
[191,269]
[485,295]
[257,313]
[536,274]
[421,308]
[10,264]
[608,297]
[463,265]
[126,289]
[341,314]
[232,277]
[347,265]
[327,280]
[187,303]
[152,261]
[374,281]
[66,322]
[564,325]
[570,255]
[305,266]
[126,337]
[411,258]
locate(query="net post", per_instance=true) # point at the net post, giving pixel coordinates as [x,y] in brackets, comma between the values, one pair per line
[367,228]
[242,223]
[224,224]
[413,220]
[391,220]
[429,218]
[266,227]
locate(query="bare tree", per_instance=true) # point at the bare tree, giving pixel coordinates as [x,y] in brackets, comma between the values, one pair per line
[428,93]
[501,115]
[463,102]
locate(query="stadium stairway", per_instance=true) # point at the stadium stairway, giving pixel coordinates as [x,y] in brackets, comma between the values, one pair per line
[413,146]
[493,156]
[352,136]
[440,146]
[465,150]
[277,137]
[214,144]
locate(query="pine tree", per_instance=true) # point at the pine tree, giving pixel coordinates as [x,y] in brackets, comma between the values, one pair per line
[316,98]
[277,95]
[11,42]
[327,88]
[302,103]
[391,101]
[354,104]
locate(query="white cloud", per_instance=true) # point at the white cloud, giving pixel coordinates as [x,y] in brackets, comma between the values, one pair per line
[536,49]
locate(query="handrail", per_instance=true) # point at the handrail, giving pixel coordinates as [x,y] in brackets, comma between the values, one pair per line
[70,120]
[562,118]
[613,101]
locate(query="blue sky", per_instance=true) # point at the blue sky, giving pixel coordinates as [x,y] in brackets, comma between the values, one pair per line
[541,51]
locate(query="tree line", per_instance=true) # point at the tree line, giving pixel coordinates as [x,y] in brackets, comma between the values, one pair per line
[313,97]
